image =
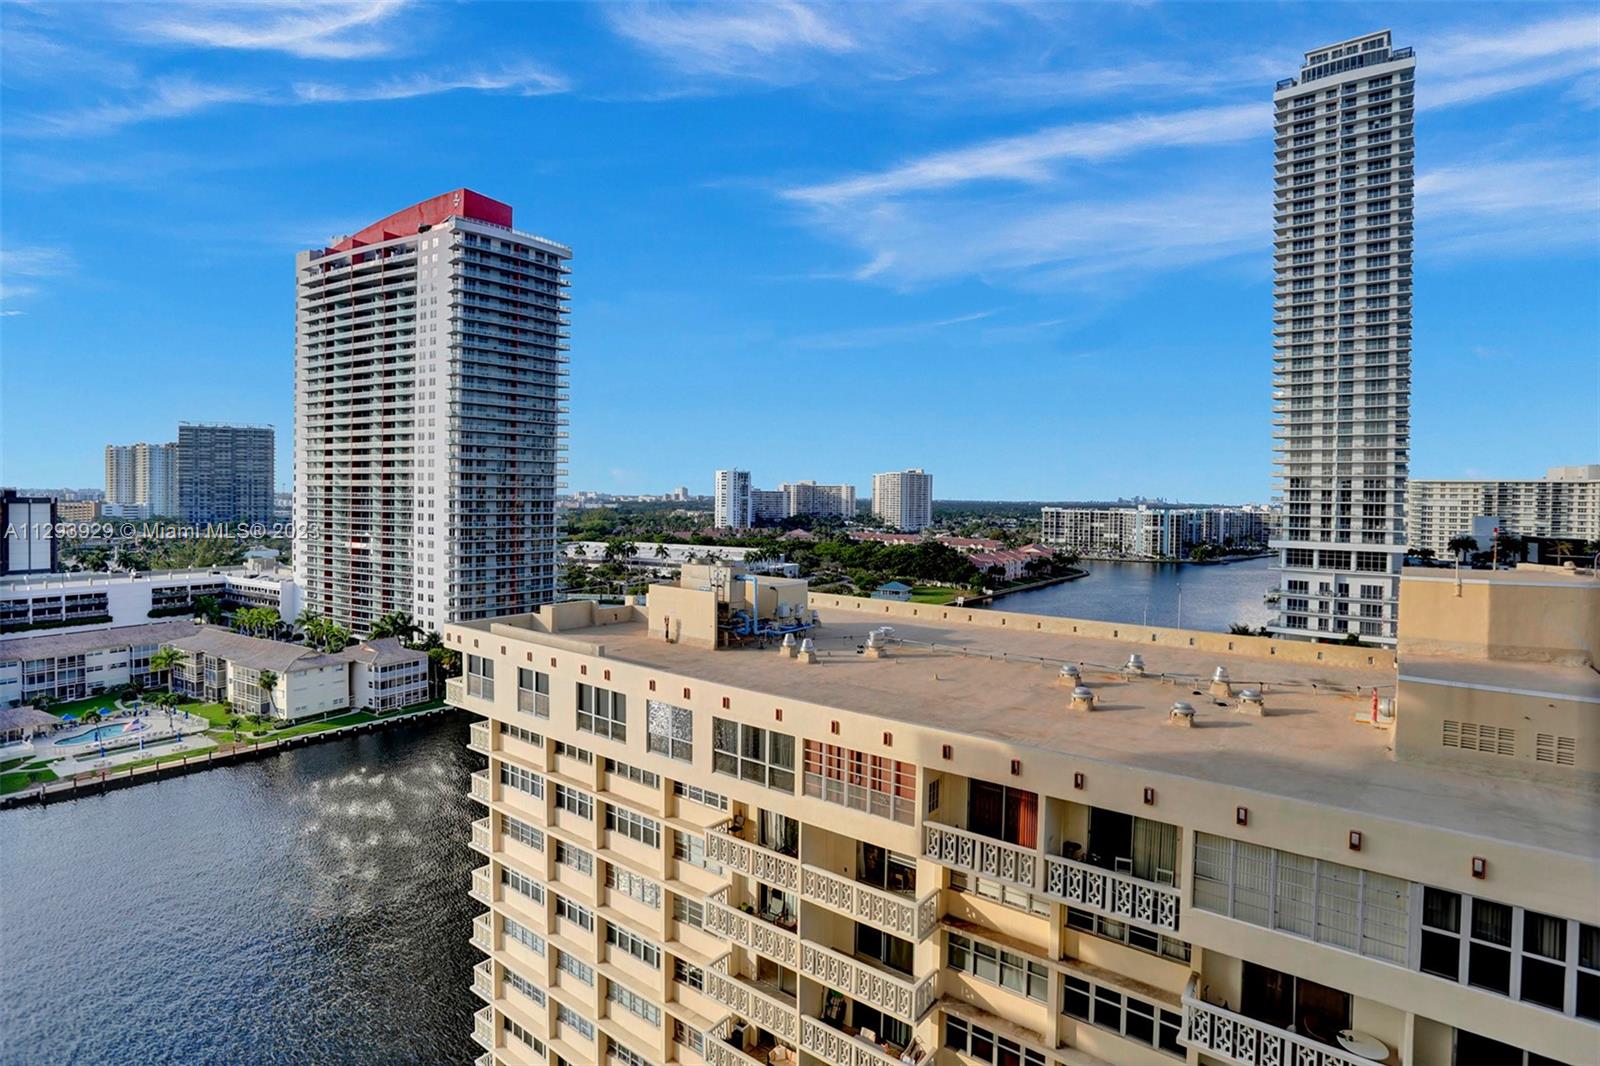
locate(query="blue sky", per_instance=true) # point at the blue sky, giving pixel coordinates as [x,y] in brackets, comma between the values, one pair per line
[1023,246]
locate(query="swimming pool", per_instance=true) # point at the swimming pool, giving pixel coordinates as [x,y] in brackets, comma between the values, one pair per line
[98,733]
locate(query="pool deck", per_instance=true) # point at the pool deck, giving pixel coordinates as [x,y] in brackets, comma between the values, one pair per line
[161,732]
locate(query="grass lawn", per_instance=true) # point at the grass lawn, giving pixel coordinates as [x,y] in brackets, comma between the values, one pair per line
[105,703]
[21,779]
[11,764]
[938,594]
[320,725]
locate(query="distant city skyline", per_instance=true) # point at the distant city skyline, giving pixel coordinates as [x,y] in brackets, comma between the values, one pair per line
[1052,284]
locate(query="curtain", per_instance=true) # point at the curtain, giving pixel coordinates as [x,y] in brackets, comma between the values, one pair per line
[1155,847]
[986,809]
[1026,806]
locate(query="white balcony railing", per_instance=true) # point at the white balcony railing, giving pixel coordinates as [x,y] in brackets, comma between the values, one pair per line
[483,1027]
[748,931]
[912,919]
[753,860]
[755,1003]
[718,1052]
[904,997]
[483,932]
[481,837]
[483,979]
[1232,1037]
[480,786]
[949,846]
[839,1048]
[455,691]
[1113,894]
[478,737]
[482,888]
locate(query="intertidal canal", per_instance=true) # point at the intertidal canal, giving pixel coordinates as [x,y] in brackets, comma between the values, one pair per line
[308,908]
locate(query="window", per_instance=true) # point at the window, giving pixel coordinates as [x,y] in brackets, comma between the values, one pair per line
[578,803]
[524,936]
[669,730]
[575,857]
[515,1030]
[1135,936]
[688,911]
[633,773]
[998,966]
[576,913]
[523,985]
[602,712]
[696,794]
[873,783]
[634,945]
[569,1017]
[574,967]
[522,884]
[1441,934]
[633,826]
[527,736]
[1489,947]
[1112,1009]
[1000,892]
[533,692]
[986,1046]
[690,848]
[1588,1005]
[631,1001]
[480,677]
[522,832]
[689,974]
[631,884]
[1544,954]
[751,753]
[522,780]
[693,1039]
[582,755]
[617,1053]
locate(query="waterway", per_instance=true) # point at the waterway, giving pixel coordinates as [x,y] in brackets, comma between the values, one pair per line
[308,908]
[1183,595]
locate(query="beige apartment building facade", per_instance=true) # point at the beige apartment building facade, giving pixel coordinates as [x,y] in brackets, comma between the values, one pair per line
[986,837]
[1562,505]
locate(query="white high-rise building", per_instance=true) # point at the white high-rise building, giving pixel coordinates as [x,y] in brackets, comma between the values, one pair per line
[822,501]
[1562,505]
[1342,336]
[430,381]
[903,499]
[731,500]
[142,478]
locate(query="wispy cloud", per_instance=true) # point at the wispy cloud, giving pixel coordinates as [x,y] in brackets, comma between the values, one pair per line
[1517,206]
[343,30]
[523,81]
[871,336]
[23,267]
[1465,68]
[746,40]
[165,99]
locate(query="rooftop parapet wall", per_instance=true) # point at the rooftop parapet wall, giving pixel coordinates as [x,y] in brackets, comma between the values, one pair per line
[1291,651]
[1512,615]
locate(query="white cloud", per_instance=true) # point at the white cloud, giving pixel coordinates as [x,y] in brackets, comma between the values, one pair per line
[525,81]
[343,30]
[166,99]
[1511,207]
[23,266]
[732,39]
[1467,67]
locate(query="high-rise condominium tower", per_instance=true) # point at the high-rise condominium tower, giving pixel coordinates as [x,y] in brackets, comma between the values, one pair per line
[903,499]
[143,476]
[225,473]
[430,377]
[1342,336]
[731,503]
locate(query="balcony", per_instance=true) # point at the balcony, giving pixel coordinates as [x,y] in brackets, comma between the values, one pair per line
[837,1047]
[483,932]
[750,932]
[753,860]
[906,998]
[482,888]
[478,737]
[482,839]
[480,789]
[483,980]
[483,1027]
[718,1052]
[764,1004]
[910,919]
[1111,893]
[455,691]
[1232,1037]
[949,846]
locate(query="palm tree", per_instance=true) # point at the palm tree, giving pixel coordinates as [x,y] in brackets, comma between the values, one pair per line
[396,624]
[268,680]
[1461,544]
[209,608]
[661,551]
[165,660]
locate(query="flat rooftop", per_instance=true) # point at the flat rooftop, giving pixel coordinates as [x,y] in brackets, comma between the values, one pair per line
[1003,685]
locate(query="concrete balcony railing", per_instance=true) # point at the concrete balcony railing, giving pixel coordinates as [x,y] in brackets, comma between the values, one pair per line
[486,1059]
[480,789]
[753,860]
[483,932]
[840,1048]
[949,846]
[483,1027]
[1231,1037]
[718,1052]
[750,932]
[483,980]
[910,919]
[906,998]
[763,1006]
[1115,895]
[455,691]
[478,737]
[482,838]
[482,888]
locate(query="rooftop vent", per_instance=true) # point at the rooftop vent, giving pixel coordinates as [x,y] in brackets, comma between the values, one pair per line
[808,651]
[1071,675]
[1135,665]
[788,647]
[1220,687]
[1182,714]
[1250,702]
[1082,699]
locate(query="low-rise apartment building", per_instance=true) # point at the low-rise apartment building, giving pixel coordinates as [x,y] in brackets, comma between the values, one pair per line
[221,666]
[1562,505]
[986,837]
[71,665]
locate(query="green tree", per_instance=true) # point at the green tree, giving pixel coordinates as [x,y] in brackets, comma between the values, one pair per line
[1463,545]
[209,608]
[165,661]
[396,624]
[268,680]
